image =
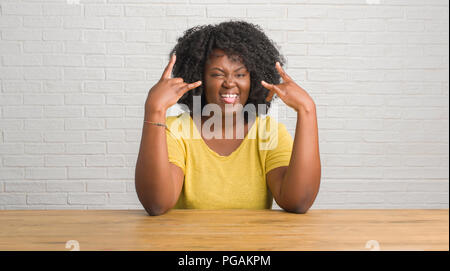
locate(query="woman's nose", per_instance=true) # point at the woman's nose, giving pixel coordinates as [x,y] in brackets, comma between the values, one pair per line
[228,82]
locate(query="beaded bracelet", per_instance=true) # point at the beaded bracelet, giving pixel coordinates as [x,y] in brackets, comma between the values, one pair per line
[157,123]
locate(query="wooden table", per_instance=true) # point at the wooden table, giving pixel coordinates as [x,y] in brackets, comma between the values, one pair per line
[225,230]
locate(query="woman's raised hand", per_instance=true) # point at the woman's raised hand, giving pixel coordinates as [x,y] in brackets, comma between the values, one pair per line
[168,90]
[290,92]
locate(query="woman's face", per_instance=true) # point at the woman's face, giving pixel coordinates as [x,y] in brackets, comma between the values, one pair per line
[226,81]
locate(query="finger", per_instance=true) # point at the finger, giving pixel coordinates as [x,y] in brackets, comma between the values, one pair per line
[186,87]
[168,70]
[273,88]
[270,96]
[282,73]
[177,80]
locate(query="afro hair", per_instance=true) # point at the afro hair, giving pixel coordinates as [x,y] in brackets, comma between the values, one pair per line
[240,39]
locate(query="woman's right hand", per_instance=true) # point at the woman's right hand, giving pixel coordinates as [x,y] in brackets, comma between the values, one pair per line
[168,90]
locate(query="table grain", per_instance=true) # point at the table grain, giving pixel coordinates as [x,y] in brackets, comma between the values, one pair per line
[225,230]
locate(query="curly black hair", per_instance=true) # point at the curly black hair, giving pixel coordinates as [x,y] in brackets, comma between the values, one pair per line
[245,40]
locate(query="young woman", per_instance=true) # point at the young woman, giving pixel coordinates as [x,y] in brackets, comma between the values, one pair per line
[231,67]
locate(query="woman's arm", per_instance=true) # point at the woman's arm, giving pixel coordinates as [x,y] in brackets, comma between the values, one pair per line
[301,180]
[158,182]
[295,187]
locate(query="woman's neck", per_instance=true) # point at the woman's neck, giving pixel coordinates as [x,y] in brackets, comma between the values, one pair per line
[231,127]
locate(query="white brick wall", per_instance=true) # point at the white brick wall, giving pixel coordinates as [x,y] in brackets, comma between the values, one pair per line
[74,78]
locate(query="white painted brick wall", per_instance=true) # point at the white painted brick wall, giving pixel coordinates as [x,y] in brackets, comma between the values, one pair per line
[74,79]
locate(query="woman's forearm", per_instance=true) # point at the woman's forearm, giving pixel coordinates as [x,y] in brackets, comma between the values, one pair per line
[302,179]
[153,180]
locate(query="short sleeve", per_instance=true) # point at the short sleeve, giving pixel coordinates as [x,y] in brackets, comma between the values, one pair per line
[176,150]
[280,153]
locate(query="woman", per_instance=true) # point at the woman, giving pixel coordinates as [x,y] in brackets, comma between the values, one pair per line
[231,66]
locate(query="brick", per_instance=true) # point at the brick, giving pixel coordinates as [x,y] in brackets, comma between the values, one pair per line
[146,11]
[104,111]
[106,161]
[22,112]
[83,23]
[21,9]
[306,12]
[121,173]
[86,148]
[102,36]
[65,186]
[63,60]
[61,10]
[123,148]
[86,47]
[87,198]
[123,198]
[145,36]
[218,11]
[43,148]
[47,198]
[83,74]
[104,61]
[105,186]
[42,22]
[45,173]
[10,99]
[43,99]
[103,10]
[63,136]
[64,160]
[25,186]
[30,60]
[84,99]
[126,49]
[125,74]
[62,111]
[11,148]
[105,136]
[23,160]
[266,12]
[125,23]
[84,124]
[21,35]
[12,198]
[42,47]
[7,47]
[42,73]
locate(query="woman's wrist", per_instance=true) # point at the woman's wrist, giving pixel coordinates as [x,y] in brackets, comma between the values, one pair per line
[155,115]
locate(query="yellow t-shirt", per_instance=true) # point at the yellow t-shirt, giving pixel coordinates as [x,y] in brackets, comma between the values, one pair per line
[236,181]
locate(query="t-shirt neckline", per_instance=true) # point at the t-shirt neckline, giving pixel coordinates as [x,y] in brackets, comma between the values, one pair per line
[215,153]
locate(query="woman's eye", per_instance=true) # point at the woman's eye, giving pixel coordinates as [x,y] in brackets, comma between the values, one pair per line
[215,75]
[241,75]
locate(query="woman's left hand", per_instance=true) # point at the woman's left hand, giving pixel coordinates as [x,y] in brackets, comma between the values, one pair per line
[290,93]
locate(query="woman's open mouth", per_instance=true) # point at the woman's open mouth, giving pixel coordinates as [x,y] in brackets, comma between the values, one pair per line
[229,98]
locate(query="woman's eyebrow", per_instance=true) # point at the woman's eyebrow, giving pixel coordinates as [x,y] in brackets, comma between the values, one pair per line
[216,68]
